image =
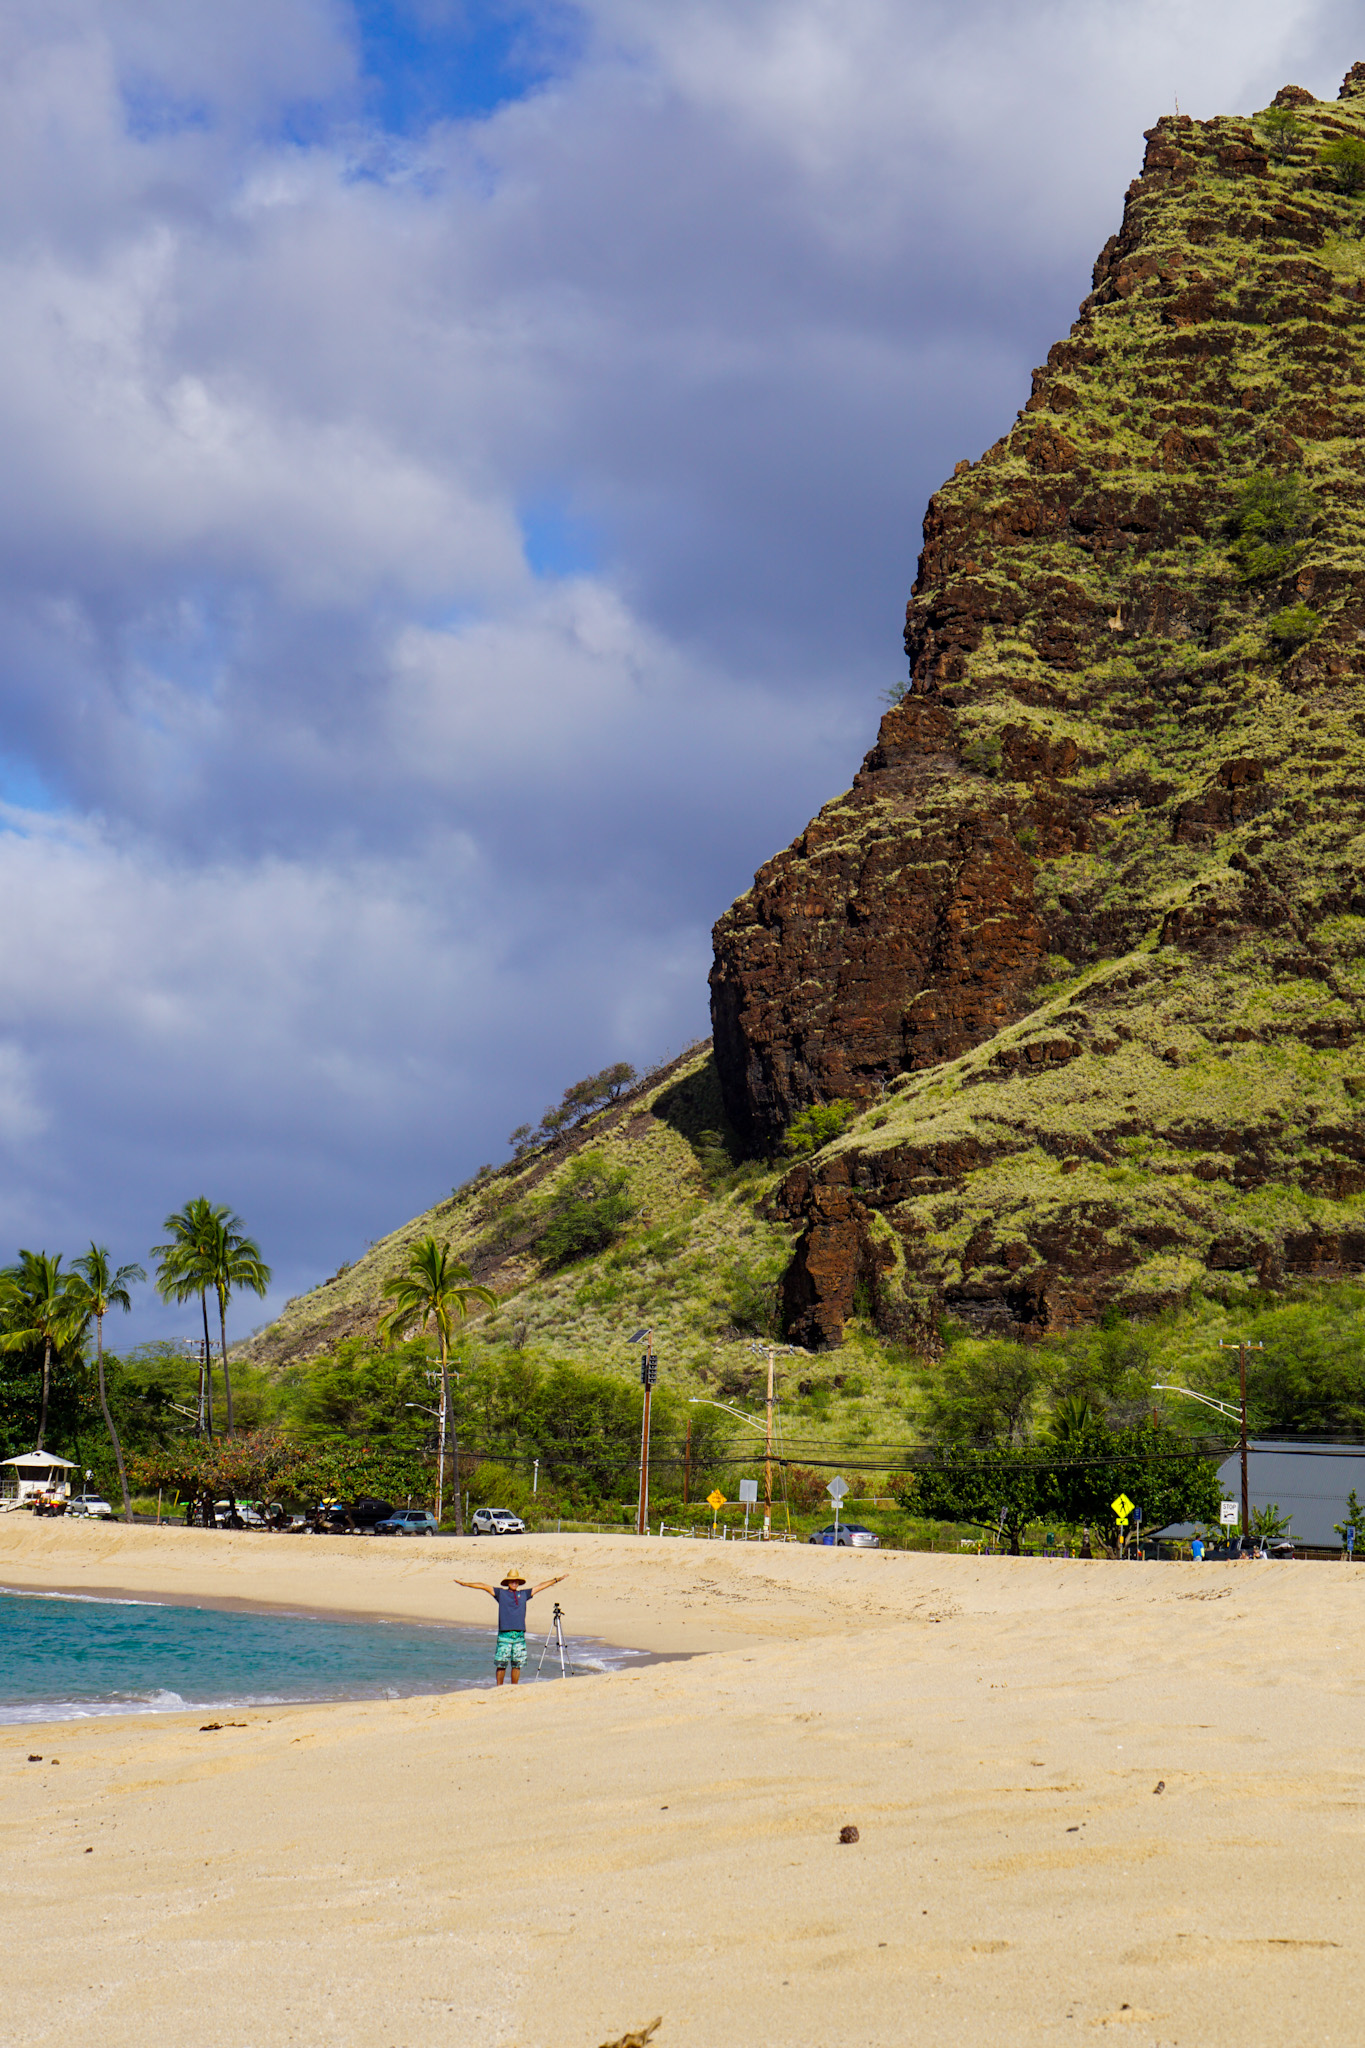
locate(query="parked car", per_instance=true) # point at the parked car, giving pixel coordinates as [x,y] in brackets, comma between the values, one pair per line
[1249,1547]
[497,1522]
[237,1514]
[88,1504]
[850,1534]
[407,1522]
[352,1517]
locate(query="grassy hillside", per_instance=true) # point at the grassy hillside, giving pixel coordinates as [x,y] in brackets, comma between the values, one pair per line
[697,1260]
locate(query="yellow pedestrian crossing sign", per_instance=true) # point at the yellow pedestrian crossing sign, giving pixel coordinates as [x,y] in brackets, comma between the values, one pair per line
[716,1499]
[1122,1507]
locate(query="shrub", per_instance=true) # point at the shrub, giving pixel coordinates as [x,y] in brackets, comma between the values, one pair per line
[1268,519]
[1345,158]
[1284,128]
[587,1211]
[1293,628]
[817,1126]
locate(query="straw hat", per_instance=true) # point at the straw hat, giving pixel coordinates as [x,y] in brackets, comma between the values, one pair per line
[514,1579]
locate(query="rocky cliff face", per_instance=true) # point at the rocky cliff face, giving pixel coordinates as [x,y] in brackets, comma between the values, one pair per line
[1085,941]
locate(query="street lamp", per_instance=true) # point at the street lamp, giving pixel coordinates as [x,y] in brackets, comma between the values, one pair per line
[765,1431]
[768,1449]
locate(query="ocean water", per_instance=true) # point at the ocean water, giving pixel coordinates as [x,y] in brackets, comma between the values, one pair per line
[65,1656]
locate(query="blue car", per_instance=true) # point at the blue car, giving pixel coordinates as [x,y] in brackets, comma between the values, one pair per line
[407,1522]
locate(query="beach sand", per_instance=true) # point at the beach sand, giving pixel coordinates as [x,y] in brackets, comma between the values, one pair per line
[552,1867]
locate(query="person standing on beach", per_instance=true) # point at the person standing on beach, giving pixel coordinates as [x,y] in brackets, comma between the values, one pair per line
[513,1601]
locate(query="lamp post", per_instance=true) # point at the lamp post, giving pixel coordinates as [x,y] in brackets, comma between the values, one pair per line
[1237,1414]
[700,1401]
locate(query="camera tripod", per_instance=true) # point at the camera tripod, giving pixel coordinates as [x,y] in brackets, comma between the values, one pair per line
[557,1625]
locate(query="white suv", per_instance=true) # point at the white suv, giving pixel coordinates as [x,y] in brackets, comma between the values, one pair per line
[497,1522]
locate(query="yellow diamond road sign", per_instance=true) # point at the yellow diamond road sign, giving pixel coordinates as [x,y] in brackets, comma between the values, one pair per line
[1122,1507]
[716,1499]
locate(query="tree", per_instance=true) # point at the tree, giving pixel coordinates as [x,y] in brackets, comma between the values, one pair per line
[186,1268]
[233,1261]
[1346,159]
[256,1463]
[997,1487]
[99,1288]
[1284,127]
[1267,523]
[985,1392]
[40,1306]
[1353,1521]
[589,1207]
[434,1288]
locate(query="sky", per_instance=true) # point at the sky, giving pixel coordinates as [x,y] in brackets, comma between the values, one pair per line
[461,474]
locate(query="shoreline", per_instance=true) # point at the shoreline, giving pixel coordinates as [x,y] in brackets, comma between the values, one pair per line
[557,1865]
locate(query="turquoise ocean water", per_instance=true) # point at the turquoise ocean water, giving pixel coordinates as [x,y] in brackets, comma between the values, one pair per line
[65,1656]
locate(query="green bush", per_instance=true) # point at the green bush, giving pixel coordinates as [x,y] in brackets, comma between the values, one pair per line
[588,1210]
[1345,158]
[817,1126]
[1293,628]
[1284,128]
[1266,525]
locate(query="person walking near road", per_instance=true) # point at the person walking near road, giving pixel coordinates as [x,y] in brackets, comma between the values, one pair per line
[510,1653]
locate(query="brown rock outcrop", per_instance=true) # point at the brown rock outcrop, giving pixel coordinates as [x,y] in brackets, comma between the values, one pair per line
[1108,851]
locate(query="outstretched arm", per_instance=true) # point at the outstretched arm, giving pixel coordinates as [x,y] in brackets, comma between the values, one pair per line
[477,1586]
[548,1583]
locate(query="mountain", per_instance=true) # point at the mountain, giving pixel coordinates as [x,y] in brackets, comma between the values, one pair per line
[1084,944]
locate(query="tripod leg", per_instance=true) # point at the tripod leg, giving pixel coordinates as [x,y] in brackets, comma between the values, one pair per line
[560,1633]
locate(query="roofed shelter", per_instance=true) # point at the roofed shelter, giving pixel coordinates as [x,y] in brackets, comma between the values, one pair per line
[35,1472]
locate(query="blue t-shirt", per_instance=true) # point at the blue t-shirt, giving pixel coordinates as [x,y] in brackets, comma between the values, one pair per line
[512,1609]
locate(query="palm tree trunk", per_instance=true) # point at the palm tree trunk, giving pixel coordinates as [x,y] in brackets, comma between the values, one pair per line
[227,1376]
[109,1420]
[47,1382]
[208,1364]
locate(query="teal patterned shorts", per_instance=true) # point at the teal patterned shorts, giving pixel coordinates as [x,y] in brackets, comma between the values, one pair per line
[511,1648]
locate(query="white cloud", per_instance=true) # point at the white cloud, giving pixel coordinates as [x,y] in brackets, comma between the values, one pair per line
[365,839]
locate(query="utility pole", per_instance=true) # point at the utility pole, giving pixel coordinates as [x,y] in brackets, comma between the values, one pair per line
[1242,1348]
[687,1461]
[649,1372]
[441,1453]
[768,1458]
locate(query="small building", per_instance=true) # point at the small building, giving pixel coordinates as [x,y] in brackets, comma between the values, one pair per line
[34,1473]
[1307,1482]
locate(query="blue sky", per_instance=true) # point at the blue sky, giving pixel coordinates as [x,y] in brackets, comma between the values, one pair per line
[451,62]
[463,475]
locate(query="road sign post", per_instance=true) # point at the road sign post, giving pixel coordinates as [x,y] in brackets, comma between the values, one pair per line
[1123,1508]
[1227,1514]
[836,1490]
[748,1493]
[715,1500]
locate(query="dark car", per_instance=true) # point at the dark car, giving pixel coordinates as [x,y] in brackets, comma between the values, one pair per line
[851,1535]
[352,1517]
[407,1522]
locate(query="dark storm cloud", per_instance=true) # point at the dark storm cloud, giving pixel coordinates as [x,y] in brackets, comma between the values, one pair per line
[441,554]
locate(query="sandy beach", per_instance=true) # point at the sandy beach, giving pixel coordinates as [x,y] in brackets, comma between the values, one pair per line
[549,1869]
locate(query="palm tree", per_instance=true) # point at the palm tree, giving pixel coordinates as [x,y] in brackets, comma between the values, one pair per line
[185,1268]
[434,1288]
[39,1302]
[99,1288]
[234,1260]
